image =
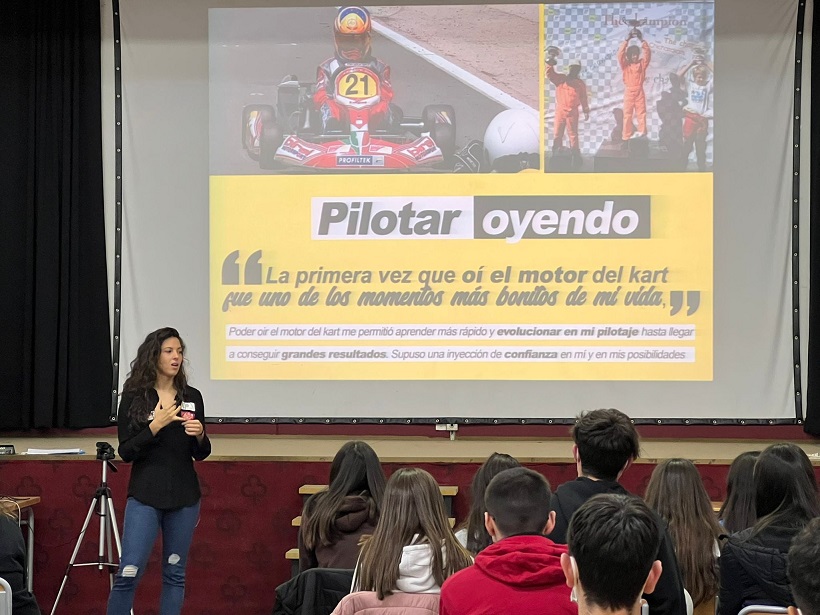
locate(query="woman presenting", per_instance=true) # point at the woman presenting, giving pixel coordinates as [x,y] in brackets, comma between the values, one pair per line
[160,423]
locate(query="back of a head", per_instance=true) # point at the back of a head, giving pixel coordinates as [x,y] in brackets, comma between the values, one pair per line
[676,492]
[785,487]
[477,536]
[802,567]
[738,510]
[614,540]
[355,470]
[518,500]
[606,441]
[412,505]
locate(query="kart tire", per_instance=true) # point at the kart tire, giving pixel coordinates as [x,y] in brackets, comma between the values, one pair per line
[443,132]
[269,141]
[268,116]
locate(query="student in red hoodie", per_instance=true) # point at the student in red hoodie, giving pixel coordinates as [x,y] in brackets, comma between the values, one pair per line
[521,571]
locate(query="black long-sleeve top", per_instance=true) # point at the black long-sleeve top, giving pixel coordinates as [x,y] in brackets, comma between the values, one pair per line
[668,597]
[13,566]
[163,474]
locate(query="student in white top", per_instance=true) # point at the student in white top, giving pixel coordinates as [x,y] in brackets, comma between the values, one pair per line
[413,549]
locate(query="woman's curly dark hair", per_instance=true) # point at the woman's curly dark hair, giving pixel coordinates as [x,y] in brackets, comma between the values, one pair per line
[143,375]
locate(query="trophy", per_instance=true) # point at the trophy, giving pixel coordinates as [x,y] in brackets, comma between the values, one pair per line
[699,55]
[553,53]
[634,32]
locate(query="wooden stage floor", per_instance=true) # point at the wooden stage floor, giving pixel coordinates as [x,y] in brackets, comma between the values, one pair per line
[397,449]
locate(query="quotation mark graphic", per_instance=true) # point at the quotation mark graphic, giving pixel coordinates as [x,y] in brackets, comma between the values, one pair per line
[253,268]
[692,301]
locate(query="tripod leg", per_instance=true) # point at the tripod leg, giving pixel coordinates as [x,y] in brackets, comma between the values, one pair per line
[106,514]
[103,531]
[91,509]
[110,527]
[116,529]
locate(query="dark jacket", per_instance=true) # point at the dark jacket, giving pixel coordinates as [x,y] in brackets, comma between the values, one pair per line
[352,522]
[519,574]
[313,592]
[668,598]
[753,569]
[163,473]
[13,566]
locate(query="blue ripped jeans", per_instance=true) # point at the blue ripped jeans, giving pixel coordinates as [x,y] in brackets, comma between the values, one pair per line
[141,525]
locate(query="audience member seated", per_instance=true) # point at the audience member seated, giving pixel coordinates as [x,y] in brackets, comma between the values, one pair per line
[804,557]
[753,563]
[13,565]
[676,493]
[521,571]
[411,552]
[605,444]
[473,533]
[613,541]
[738,509]
[334,520]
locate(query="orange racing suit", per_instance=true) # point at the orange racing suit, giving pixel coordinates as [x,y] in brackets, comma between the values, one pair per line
[569,95]
[634,97]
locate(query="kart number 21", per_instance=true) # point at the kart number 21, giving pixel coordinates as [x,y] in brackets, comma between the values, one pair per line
[358,85]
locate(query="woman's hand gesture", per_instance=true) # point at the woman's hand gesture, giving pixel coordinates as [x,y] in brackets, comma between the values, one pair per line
[163,417]
[194,427]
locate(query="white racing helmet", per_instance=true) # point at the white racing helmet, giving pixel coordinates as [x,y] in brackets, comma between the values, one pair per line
[512,141]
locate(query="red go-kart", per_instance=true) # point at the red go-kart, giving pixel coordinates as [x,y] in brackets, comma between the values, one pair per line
[291,135]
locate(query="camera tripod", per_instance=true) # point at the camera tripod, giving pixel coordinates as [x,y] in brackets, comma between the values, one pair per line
[103,506]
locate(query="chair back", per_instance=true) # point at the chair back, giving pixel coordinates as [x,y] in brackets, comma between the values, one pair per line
[316,591]
[762,609]
[5,597]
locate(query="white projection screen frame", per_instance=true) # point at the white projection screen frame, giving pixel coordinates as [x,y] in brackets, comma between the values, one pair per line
[166,266]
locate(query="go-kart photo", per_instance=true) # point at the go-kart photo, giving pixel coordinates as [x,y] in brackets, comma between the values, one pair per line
[289,136]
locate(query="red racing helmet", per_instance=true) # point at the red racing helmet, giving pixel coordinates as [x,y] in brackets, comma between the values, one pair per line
[351,33]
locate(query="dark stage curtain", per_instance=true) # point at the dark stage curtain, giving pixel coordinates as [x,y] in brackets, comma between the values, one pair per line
[812,424]
[55,352]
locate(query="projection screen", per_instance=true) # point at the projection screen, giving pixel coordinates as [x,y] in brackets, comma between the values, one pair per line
[486,212]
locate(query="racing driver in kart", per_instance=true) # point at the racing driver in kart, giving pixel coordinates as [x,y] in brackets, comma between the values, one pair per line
[351,34]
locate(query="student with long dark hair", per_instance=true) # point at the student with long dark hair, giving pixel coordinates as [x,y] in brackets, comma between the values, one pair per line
[410,554]
[738,509]
[753,565]
[472,533]
[334,520]
[803,557]
[676,493]
[13,563]
[161,432]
